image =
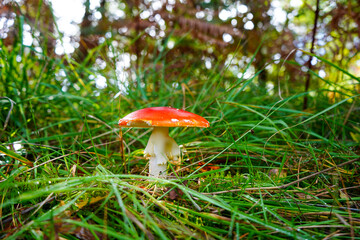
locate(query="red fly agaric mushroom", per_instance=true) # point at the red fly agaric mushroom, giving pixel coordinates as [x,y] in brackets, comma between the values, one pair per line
[161,147]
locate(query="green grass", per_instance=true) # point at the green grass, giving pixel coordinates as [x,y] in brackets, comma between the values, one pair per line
[74,179]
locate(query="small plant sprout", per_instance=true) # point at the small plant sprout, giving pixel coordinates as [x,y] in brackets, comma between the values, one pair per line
[161,147]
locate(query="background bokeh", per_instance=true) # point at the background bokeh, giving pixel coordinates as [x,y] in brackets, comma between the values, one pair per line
[239,38]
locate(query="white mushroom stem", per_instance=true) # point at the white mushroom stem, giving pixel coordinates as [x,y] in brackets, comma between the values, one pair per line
[160,148]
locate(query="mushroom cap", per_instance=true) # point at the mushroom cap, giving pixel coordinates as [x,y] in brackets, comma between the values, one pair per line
[163,117]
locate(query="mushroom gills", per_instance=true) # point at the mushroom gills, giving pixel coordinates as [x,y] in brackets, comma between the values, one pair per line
[160,148]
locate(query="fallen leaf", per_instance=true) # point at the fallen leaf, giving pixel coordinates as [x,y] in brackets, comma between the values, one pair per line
[90,201]
[208,167]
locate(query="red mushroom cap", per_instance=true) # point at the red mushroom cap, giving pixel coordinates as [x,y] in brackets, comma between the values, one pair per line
[163,117]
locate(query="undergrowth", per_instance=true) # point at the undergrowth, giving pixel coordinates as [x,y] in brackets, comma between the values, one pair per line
[263,169]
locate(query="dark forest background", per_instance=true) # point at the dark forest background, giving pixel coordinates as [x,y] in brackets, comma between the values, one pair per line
[225,36]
